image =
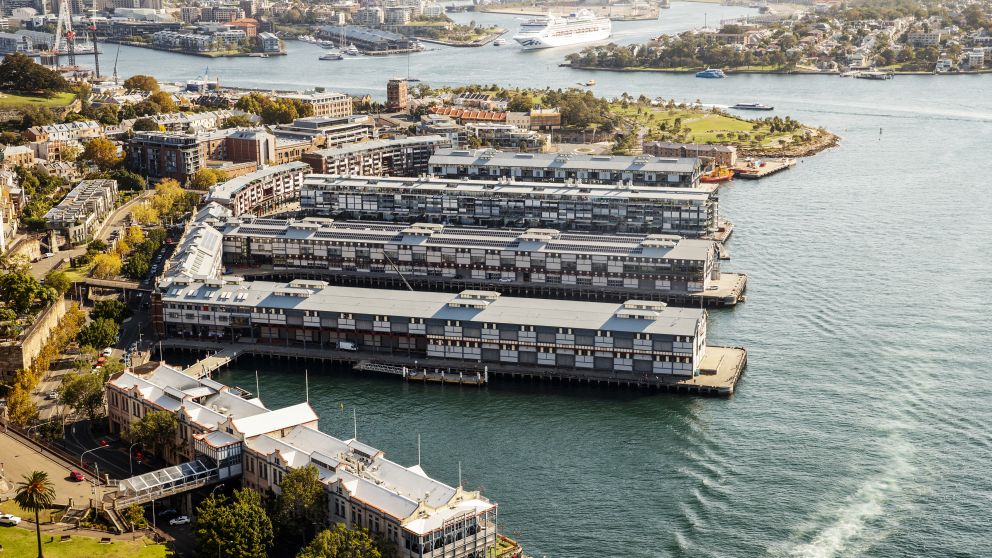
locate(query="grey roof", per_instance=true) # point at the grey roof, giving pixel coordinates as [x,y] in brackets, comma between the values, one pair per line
[518,240]
[501,188]
[372,145]
[418,304]
[570,161]
[226,191]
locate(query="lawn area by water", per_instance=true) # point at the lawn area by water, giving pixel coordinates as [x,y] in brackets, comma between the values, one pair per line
[21,542]
[10,100]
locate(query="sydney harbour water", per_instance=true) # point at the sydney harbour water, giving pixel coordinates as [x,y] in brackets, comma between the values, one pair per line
[862,425]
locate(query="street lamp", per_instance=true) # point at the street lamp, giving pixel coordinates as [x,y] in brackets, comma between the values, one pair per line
[130,460]
[88,451]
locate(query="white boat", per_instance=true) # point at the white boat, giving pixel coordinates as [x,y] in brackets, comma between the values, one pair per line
[352,50]
[499,42]
[331,56]
[555,31]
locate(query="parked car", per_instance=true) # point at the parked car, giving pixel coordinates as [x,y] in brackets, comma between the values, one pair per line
[52,395]
[108,351]
[9,519]
[77,476]
[181,520]
[167,512]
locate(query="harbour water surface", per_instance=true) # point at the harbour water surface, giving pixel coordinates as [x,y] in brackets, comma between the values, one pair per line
[862,425]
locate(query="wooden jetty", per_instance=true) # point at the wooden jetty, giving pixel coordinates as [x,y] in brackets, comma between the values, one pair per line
[751,171]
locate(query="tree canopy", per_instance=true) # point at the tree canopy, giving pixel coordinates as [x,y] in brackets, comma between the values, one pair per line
[341,542]
[83,393]
[238,526]
[113,310]
[274,111]
[301,503]
[18,290]
[157,430]
[101,332]
[205,178]
[145,125]
[19,72]
[58,280]
[102,153]
[141,83]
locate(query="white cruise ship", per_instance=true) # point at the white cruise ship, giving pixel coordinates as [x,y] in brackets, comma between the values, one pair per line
[554,31]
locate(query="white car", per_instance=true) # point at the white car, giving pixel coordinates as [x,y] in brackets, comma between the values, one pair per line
[108,351]
[8,519]
[181,520]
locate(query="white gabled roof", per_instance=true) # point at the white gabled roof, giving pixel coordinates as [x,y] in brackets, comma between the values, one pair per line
[273,421]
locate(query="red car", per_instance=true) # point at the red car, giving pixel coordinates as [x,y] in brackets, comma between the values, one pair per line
[77,476]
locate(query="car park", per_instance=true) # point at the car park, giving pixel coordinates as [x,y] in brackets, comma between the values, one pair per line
[9,519]
[181,520]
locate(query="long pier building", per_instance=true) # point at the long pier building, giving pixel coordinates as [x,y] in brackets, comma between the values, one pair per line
[639,170]
[644,340]
[604,208]
[544,263]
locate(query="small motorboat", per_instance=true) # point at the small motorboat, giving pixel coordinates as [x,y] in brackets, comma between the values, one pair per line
[499,42]
[752,106]
[719,174]
[352,50]
[711,73]
[331,56]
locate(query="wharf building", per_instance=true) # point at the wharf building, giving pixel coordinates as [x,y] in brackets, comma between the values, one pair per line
[637,341]
[533,262]
[83,210]
[602,208]
[225,433]
[722,155]
[641,170]
[386,157]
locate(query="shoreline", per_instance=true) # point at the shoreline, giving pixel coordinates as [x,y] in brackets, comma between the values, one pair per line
[488,39]
[767,72]
[203,54]
[827,140]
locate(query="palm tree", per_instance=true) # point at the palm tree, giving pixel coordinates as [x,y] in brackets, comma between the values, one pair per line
[35,493]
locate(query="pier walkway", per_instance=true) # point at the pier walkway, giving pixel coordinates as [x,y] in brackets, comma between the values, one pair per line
[211,363]
[722,367]
[750,171]
[420,374]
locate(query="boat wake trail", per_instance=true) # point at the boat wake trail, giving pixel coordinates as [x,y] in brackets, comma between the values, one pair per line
[864,518]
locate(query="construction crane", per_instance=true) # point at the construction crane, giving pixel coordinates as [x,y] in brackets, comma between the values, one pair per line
[96,51]
[64,27]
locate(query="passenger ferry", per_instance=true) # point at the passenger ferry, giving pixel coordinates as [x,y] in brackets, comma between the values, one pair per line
[711,73]
[556,31]
[499,42]
[332,56]
[752,106]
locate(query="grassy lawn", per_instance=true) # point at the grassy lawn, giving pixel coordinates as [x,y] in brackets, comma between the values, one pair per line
[79,272]
[702,126]
[9,100]
[22,542]
[11,506]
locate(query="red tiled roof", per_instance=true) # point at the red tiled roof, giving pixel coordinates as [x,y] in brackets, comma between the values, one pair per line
[470,115]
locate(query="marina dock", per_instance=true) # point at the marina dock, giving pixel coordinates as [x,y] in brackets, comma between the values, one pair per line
[750,171]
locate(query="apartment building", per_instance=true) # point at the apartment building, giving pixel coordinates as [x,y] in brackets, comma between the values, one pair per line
[83,210]
[499,203]
[507,137]
[398,156]
[261,191]
[641,170]
[166,155]
[328,132]
[638,339]
[323,104]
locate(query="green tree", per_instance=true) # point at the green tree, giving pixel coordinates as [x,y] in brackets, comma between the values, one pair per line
[102,152]
[114,310]
[301,501]
[101,332]
[19,290]
[238,526]
[127,180]
[341,542]
[145,125]
[141,83]
[58,280]
[35,493]
[83,393]
[135,515]
[156,430]
[19,72]
[137,265]
[237,121]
